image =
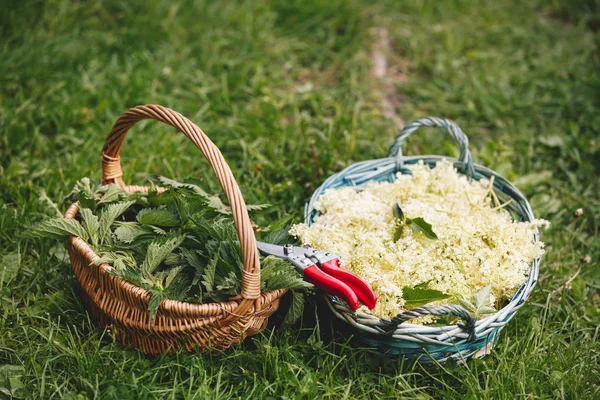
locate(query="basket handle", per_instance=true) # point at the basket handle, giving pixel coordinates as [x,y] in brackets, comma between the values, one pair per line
[459,311]
[454,130]
[112,173]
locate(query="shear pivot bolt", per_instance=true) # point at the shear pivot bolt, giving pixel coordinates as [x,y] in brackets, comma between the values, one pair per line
[288,249]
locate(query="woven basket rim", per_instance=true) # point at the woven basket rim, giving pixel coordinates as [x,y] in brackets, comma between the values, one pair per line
[83,248]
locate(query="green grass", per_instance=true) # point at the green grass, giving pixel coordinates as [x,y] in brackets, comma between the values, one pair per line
[288,86]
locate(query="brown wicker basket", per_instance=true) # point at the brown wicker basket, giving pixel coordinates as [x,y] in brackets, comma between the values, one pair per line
[123,307]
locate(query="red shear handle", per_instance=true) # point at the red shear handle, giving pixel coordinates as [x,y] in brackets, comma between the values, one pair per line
[361,288]
[331,285]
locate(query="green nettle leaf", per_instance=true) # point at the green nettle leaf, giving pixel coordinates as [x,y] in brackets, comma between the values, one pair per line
[216,203]
[178,185]
[173,272]
[84,193]
[190,205]
[219,229]
[420,225]
[174,259]
[59,227]
[156,298]
[91,224]
[157,252]
[193,259]
[278,274]
[276,233]
[296,308]
[117,259]
[257,207]
[128,232]
[208,277]
[180,287]
[229,284]
[109,216]
[134,275]
[157,230]
[420,295]
[113,194]
[158,217]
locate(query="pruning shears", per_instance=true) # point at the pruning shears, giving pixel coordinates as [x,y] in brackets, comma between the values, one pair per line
[322,270]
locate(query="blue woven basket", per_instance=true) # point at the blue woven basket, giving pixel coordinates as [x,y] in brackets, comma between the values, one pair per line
[428,343]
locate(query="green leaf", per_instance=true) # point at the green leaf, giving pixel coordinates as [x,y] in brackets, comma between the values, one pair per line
[467,305]
[178,185]
[398,213]
[279,274]
[420,295]
[479,303]
[277,232]
[158,217]
[128,232]
[112,195]
[156,298]
[229,284]
[85,193]
[157,252]
[173,272]
[90,223]
[174,259]
[157,230]
[398,232]
[482,297]
[117,259]
[216,203]
[59,227]
[134,275]
[296,308]
[9,267]
[193,259]
[484,310]
[257,207]
[420,225]
[219,229]
[179,288]
[109,215]
[208,277]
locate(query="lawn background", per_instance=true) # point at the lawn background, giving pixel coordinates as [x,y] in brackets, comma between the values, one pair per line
[287,92]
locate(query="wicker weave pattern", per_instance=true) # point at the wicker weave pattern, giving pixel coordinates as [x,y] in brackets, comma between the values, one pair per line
[123,307]
[427,343]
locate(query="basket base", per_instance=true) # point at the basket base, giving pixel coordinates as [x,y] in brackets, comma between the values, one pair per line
[203,340]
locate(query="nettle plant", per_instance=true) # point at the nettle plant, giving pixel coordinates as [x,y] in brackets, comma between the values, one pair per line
[180,244]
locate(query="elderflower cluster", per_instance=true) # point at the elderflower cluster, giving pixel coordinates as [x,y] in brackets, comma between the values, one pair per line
[478,242]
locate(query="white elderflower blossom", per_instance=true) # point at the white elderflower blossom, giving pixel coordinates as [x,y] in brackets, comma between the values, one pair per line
[478,245]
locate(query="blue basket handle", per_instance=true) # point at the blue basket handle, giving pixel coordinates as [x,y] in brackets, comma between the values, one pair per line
[458,135]
[459,311]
